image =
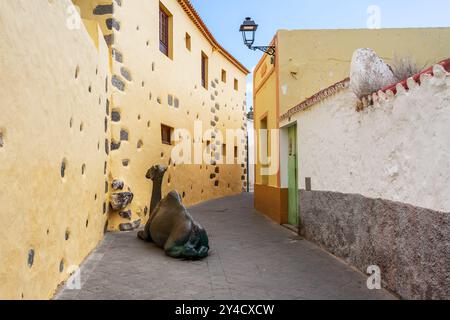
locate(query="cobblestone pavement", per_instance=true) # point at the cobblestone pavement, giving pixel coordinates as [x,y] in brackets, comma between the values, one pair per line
[251,258]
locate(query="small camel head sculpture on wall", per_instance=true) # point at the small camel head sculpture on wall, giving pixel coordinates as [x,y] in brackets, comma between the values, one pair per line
[170,225]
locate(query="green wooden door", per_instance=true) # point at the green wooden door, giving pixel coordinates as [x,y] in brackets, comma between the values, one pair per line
[292,176]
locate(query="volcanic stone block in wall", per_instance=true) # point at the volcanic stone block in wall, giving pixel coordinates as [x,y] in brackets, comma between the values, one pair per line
[123,135]
[117,184]
[112,23]
[109,39]
[130,226]
[118,56]
[121,200]
[176,103]
[126,214]
[104,9]
[125,73]
[411,245]
[116,82]
[115,145]
[119,2]
[115,115]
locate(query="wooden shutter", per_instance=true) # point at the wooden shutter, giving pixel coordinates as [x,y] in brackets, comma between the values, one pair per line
[163,32]
[204,71]
[166,133]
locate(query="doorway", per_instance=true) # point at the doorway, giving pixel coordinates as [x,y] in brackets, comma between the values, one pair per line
[292,177]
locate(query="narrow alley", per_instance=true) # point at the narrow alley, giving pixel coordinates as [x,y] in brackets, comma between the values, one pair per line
[250,258]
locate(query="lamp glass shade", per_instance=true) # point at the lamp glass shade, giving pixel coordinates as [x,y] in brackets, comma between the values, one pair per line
[248,29]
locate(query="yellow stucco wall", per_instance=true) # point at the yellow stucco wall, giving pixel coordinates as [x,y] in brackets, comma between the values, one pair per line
[86,8]
[265,100]
[311,60]
[265,104]
[53,106]
[57,100]
[144,105]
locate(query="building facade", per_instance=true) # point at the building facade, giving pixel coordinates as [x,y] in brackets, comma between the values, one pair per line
[168,73]
[95,105]
[307,62]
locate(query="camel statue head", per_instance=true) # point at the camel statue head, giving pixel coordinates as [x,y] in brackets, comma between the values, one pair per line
[156,173]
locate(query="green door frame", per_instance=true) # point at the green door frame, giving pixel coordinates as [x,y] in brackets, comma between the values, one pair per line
[293,217]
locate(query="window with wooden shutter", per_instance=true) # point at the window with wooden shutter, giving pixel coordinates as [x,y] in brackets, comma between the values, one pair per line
[224,76]
[188,41]
[204,71]
[166,134]
[163,32]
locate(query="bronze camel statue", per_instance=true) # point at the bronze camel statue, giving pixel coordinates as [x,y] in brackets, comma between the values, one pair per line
[170,225]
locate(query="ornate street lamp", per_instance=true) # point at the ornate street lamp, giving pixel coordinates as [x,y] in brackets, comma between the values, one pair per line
[248,29]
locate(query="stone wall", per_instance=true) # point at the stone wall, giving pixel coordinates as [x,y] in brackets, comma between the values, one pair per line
[411,245]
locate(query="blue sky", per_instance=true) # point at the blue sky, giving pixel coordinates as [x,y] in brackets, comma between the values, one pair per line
[223,18]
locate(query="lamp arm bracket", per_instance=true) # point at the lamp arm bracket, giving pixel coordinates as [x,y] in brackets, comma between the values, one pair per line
[270,50]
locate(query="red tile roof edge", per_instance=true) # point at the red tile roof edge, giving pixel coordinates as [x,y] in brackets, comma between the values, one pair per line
[445,64]
[323,94]
[319,96]
[198,21]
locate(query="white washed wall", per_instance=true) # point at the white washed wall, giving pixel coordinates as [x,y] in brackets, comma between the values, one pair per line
[398,149]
